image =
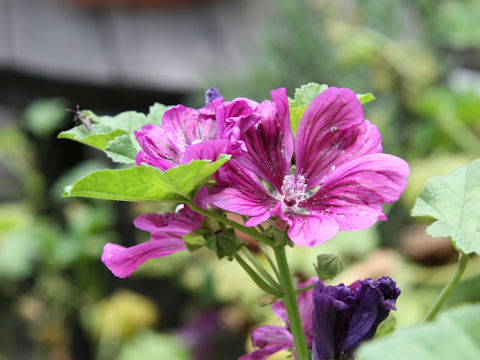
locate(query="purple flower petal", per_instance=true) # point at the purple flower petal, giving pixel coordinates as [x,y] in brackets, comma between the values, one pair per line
[122,261]
[332,131]
[207,150]
[353,194]
[269,340]
[345,316]
[182,222]
[164,146]
[311,230]
[269,142]
[244,194]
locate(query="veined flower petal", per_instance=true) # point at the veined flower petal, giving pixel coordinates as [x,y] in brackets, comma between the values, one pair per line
[353,194]
[311,230]
[207,150]
[241,192]
[332,131]
[269,142]
[122,261]
[182,222]
[163,146]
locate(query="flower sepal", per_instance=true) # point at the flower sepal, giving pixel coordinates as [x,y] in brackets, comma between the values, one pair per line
[224,243]
[328,266]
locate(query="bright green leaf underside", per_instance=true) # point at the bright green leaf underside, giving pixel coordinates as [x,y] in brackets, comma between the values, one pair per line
[453,200]
[454,335]
[145,183]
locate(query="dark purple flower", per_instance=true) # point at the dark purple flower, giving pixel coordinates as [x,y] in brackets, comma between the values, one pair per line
[343,316]
[340,178]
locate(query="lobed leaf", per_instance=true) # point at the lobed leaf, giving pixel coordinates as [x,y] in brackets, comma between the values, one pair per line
[454,335]
[453,200]
[145,183]
[121,150]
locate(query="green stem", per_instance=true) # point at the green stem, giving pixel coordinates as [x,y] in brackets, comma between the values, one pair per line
[303,289]
[269,259]
[246,230]
[290,302]
[253,259]
[256,279]
[447,290]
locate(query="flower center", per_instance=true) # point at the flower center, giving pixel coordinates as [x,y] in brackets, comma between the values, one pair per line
[293,189]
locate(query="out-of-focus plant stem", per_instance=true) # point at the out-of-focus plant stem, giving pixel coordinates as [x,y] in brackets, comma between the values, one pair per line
[447,290]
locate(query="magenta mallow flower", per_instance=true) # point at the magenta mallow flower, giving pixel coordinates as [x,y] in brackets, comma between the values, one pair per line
[344,316]
[332,177]
[188,134]
[166,238]
[270,339]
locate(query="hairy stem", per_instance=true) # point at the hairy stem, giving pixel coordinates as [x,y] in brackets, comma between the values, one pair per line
[447,290]
[290,302]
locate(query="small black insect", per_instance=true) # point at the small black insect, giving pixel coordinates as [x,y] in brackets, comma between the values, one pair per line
[79,117]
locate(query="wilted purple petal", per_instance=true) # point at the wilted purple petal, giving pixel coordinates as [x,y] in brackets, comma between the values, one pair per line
[345,316]
[235,117]
[122,261]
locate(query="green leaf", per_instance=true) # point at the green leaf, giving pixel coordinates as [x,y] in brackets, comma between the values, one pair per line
[387,326]
[156,112]
[454,335]
[145,183]
[98,138]
[224,243]
[453,200]
[303,96]
[365,98]
[195,240]
[306,93]
[121,150]
[106,128]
